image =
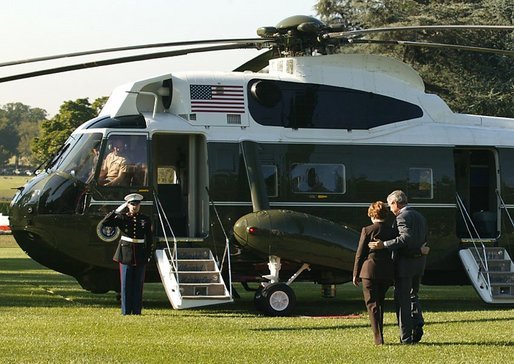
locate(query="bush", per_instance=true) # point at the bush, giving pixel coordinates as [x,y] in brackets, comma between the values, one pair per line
[4,208]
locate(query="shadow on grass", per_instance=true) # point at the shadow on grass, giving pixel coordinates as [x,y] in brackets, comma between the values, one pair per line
[485,343]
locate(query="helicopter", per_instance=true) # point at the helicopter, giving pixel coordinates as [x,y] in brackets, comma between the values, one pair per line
[264,174]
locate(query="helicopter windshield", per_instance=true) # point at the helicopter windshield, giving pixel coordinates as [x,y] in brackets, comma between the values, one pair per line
[82,157]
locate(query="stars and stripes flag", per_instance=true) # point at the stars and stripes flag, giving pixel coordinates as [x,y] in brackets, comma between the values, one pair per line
[217,98]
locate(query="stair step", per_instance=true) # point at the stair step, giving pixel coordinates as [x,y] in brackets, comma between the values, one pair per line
[501,277]
[180,239]
[196,265]
[198,277]
[502,290]
[193,253]
[191,290]
[503,265]
[492,253]
[221,298]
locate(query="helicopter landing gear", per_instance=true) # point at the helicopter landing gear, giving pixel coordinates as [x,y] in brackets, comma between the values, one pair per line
[275,298]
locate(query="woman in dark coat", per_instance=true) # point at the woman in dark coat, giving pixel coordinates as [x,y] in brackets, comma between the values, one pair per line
[374,268]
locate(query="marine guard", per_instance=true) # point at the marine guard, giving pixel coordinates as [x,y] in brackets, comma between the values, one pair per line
[134,251]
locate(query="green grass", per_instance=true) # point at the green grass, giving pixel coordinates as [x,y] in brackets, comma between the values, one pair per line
[46,317]
[8,185]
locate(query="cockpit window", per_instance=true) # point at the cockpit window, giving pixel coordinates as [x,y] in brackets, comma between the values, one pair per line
[125,161]
[80,161]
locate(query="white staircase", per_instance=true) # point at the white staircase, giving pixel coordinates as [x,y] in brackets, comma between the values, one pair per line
[491,272]
[191,277]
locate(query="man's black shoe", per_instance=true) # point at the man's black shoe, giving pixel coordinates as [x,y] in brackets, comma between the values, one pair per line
[417,333]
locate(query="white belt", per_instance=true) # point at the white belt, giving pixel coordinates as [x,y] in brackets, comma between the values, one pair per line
[126,238]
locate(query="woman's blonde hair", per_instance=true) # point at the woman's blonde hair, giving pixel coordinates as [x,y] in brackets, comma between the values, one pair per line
[377,210]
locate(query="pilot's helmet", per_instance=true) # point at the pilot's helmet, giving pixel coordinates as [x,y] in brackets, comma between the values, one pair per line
[133,198]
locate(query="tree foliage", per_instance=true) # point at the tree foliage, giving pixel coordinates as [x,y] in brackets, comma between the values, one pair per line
[470,82]
[54,132]
[18,122]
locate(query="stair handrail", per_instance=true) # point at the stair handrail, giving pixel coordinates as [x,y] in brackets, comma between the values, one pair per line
[502,204]
[483,262]
[173,254]
[226,252]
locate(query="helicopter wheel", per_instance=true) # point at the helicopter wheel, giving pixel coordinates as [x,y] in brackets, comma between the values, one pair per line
[277,299]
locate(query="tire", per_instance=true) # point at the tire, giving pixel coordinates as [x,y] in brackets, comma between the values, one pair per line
[278,299]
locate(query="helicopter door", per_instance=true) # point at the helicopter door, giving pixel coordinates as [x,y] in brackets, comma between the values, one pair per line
[477,180]
[181,175]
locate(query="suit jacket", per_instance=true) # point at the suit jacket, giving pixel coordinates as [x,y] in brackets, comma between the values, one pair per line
[374,264]
[412,234]
[137,226]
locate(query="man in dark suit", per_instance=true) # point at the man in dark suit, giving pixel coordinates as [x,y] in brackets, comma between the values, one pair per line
[409,257]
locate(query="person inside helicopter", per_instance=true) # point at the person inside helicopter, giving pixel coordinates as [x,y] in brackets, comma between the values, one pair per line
[114,165]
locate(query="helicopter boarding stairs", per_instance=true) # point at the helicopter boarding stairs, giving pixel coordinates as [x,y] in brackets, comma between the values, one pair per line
[490,269]
[191,276]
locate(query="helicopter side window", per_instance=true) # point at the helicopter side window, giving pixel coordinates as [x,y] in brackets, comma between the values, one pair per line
[305,105]
[318,178]
[421,183]
[125,161]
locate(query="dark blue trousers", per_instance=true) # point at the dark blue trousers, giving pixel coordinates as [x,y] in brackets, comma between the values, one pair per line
[132,279]
[408,308]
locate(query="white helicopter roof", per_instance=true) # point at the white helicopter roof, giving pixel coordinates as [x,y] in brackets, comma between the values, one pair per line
[369,73]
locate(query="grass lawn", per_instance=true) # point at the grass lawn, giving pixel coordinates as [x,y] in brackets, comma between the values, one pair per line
[8,185]
[46,317]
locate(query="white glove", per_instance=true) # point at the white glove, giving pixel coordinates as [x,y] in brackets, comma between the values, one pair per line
[121,207]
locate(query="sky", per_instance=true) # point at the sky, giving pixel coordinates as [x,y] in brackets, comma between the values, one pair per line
[35,28]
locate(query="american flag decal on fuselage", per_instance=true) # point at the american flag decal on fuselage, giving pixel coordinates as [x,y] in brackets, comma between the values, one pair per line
[217,98]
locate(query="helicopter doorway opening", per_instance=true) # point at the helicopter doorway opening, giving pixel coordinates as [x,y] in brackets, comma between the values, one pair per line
[477,180]
[180,162]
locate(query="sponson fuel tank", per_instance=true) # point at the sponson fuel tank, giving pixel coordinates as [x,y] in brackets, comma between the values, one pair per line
[298,237]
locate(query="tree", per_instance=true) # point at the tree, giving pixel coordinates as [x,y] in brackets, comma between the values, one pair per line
[478,83]
[27,131]
[55,131]
[18,121]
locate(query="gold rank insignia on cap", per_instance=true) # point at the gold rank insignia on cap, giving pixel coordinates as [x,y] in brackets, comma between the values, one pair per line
[133,197]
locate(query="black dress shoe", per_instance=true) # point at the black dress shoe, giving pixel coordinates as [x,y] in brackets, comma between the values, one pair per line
[417,333]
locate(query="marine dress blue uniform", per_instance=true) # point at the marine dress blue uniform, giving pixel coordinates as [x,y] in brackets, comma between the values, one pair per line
[133,253]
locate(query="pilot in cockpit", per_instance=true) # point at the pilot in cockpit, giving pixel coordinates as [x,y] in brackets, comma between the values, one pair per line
[114,165]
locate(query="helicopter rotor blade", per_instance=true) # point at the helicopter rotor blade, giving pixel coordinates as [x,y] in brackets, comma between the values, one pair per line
[127,59]
[360,32]
[135,47]
[504,52]
[258,63]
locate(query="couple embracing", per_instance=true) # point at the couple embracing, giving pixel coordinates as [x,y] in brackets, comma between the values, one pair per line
[388,254]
